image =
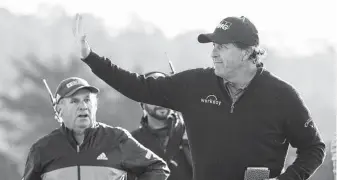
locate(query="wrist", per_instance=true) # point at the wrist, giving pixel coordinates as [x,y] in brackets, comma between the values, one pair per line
[85,57]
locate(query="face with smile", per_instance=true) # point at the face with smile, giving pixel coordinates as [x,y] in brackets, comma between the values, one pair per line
[228,59]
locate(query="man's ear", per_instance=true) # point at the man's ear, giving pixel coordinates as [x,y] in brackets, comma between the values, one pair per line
[95,96]
[59,107]
[246,54]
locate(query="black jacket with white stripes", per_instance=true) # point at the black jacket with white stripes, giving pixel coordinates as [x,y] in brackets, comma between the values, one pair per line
[107,153]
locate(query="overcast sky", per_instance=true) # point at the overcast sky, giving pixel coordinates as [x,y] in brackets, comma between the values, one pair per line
[292,18]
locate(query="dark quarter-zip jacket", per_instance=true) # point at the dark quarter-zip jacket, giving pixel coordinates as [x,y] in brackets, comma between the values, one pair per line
[107,153]
[226,137]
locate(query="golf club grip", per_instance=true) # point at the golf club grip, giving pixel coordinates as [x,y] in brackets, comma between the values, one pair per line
[256,174]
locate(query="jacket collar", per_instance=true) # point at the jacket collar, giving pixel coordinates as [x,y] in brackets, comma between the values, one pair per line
[69,133]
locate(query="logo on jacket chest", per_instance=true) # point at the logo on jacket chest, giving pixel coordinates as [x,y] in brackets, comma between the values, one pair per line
[102,156]
[211,99]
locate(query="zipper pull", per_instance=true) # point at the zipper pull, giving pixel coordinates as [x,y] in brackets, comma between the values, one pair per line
[232,108]
[78,148]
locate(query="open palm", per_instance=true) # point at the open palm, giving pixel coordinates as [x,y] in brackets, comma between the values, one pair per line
[78,32]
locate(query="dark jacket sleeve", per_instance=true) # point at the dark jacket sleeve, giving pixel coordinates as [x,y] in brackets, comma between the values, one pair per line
[32,168]
[140,161]
[302,134]
[162,91]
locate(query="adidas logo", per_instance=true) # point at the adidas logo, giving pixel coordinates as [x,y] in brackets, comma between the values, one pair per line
[102,156]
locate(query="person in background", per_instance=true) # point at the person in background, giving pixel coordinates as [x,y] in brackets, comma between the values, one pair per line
[163,131]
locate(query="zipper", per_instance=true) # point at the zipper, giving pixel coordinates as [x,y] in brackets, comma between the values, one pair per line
[232,99]
[78,166]
[232,106]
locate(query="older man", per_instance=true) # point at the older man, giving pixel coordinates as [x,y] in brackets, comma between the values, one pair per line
[238,115]
[85,149]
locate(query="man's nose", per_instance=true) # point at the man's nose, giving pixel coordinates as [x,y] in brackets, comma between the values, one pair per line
[83,105]
[214,52]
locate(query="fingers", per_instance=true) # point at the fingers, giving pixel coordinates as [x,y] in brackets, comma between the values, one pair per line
[80,36]
[77,26]
[74,27]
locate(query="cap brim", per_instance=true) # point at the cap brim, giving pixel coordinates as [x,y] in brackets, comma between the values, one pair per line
[90,88]
[205,38]
[213,37]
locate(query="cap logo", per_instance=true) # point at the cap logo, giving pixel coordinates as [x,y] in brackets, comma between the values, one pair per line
[224,25]
[73,83]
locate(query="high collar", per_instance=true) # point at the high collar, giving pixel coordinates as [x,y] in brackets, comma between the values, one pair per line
[69,133]
[243,84]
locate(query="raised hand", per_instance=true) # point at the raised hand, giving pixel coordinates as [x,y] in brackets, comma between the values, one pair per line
[80,36]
